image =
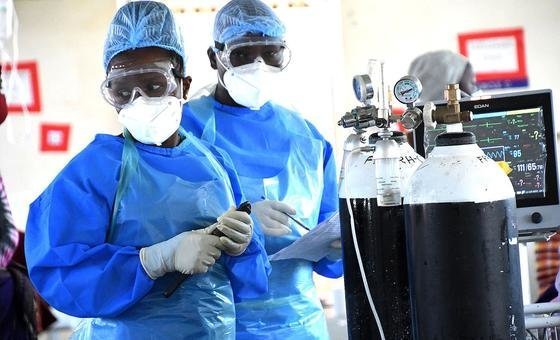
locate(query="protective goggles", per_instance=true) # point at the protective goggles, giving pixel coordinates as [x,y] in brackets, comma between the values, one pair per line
[245,50]
[123,85]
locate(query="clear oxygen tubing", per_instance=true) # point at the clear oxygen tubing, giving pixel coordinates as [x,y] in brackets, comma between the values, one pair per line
[355,240]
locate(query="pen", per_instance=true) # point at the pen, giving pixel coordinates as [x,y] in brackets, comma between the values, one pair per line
[292,218]
[298,222]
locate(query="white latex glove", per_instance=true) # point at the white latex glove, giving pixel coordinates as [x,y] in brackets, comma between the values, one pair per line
[190,252]
[335,250]
[235,229]
[272,217]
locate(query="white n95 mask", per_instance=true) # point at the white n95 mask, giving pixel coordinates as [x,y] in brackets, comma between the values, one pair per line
[251,85]
[152,120]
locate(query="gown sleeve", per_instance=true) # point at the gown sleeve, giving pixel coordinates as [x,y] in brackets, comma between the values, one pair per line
[69,260]
[248,272]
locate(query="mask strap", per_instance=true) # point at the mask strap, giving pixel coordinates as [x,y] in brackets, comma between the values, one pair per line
[220,80]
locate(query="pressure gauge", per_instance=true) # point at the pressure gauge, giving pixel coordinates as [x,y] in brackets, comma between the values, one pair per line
[408,89]
[363,87]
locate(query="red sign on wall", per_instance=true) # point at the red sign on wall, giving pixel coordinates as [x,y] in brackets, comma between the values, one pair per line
[22,89]
[497,57]
[55,137]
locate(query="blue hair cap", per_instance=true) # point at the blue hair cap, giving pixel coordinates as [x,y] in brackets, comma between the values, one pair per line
[141,24]
[241,17]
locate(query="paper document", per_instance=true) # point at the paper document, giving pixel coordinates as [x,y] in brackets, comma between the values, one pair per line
[314,245]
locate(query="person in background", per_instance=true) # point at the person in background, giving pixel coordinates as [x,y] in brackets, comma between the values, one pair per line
[17,313]
[129,213]
[285,166]
[44,315]
[437,69]
[547,263]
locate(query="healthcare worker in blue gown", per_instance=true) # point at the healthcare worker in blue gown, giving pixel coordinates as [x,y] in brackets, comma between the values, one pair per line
[284,164]
[130,213]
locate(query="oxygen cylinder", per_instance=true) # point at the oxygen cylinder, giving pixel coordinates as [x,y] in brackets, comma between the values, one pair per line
[381,241]
[462,244]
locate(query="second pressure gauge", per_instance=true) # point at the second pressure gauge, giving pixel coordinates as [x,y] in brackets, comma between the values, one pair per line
[408,89]
[363,88]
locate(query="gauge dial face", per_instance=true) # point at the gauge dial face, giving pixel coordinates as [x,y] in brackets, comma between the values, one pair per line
[363,88]
[408,89]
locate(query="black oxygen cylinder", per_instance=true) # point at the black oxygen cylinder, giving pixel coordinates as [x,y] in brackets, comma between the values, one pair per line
[381,239]
[462,245]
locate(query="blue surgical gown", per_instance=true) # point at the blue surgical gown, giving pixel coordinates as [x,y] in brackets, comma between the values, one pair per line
[279,156]
[83,256]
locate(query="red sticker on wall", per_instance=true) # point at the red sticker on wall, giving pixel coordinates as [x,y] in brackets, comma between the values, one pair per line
[55,137]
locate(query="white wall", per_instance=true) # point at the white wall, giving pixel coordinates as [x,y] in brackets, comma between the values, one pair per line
[66,38]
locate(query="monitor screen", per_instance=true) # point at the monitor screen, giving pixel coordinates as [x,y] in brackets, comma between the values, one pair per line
[516,128]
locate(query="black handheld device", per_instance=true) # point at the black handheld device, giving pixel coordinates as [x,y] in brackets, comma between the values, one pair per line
[246,207]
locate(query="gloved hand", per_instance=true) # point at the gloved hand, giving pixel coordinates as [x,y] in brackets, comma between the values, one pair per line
[236,231]
[190,252]
[335,251]
[272,217]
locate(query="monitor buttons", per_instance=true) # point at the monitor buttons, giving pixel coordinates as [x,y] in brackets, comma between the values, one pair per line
[536,217]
